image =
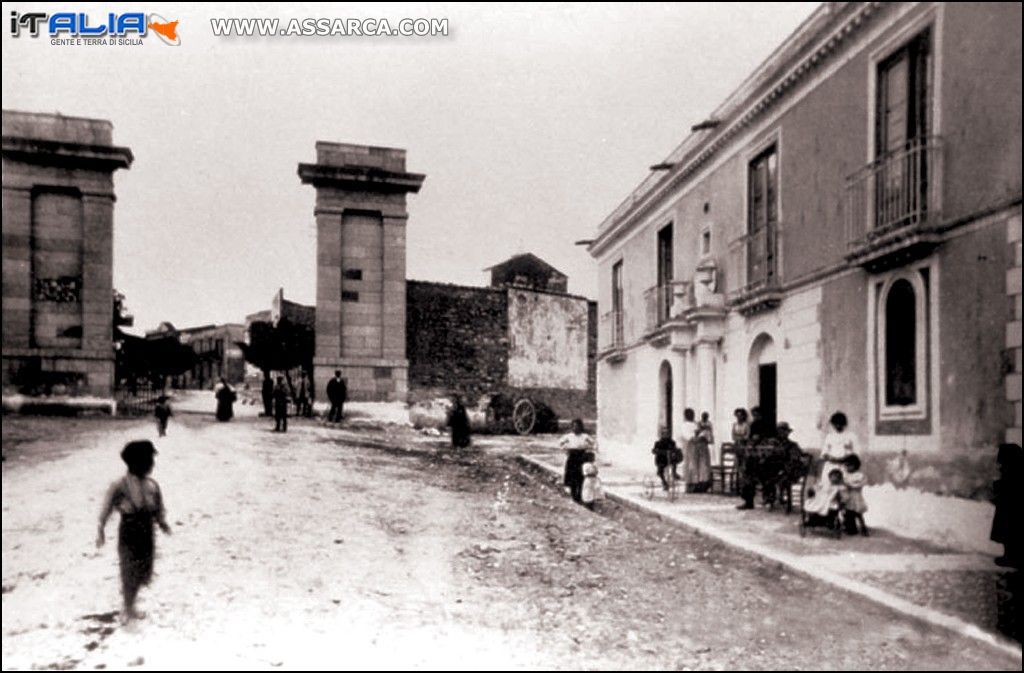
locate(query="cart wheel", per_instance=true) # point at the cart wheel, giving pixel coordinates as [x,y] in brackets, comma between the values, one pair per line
[649,488]
[524,416]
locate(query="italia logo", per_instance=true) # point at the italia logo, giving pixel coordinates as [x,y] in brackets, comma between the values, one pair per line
[80,26]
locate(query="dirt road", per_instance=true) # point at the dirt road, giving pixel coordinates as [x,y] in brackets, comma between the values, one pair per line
[342,549]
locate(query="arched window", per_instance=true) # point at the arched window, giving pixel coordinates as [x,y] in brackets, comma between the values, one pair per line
[902,342]
[901,345]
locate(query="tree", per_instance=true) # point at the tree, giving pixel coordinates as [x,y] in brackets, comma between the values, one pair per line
[138,358]
[281,347]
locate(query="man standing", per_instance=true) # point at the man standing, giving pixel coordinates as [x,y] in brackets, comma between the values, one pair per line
[749,457]
[302,397]
[280,406]
[337,394]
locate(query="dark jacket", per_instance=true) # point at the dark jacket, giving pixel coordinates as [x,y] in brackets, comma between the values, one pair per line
[666,452]
[281,399]
[337,391]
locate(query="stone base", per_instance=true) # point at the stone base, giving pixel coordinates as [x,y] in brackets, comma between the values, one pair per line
[58,374]
[369,380]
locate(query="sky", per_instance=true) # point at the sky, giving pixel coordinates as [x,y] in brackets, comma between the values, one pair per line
[531,123]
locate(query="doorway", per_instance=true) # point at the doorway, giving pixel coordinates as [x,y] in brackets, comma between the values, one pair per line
[763,378]
[665,397]
[766,393]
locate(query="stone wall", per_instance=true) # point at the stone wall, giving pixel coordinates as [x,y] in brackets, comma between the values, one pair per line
[458,340]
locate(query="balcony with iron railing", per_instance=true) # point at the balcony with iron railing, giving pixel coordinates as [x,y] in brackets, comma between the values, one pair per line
[892,206]
[611,335]
[666,303]
[754,263]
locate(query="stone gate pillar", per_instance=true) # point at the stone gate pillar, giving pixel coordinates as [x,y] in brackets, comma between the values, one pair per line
[58,233]
[360,286]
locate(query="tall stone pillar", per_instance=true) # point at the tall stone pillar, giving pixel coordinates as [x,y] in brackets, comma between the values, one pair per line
[58,228]
[705,353]
[360,290]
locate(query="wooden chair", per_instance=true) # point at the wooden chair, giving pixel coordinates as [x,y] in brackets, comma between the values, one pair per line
[726,473]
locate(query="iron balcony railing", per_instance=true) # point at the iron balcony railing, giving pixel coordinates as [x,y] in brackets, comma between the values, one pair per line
[899,189]
[754,261]
[612,333]
[667,301]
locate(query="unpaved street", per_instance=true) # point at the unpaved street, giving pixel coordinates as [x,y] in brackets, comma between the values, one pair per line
[380,548]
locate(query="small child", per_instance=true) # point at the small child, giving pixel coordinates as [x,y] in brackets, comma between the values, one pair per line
[666,455]
[137,497]
[162,411]
[854,503]
[592,490]
[825,503]
[705,430]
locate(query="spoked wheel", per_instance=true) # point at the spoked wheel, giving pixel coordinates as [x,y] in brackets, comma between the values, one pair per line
[524,416]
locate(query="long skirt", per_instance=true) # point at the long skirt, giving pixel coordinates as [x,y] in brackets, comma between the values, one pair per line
[574,461]
[697,466]
[135,549]
[224,411]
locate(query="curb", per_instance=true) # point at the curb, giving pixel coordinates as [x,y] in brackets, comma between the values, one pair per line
[800,565]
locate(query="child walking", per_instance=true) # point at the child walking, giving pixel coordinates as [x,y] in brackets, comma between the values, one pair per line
[137,497]
[162,411]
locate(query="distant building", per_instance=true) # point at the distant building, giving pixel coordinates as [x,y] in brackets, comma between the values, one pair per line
[217,353]
[528,271]
[58,226]
[294,312]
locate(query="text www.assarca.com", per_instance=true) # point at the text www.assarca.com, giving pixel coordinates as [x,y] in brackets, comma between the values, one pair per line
[325,27]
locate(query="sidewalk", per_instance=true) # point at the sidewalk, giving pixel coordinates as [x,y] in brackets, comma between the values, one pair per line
[944,587]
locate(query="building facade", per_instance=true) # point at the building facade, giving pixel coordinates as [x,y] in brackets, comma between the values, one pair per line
[360,290]
[217,354]
[58,227]
[842,234]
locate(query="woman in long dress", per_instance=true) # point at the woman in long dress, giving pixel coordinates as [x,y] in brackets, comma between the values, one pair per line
[579,450]
[839,444]
[696,457]
[704,440]
[458,421]
[225,395]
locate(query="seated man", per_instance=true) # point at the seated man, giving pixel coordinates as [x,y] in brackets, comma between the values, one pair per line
[793,458]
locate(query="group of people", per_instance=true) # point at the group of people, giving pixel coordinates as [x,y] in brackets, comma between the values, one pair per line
[276,399]
[696,439]
[766,456]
